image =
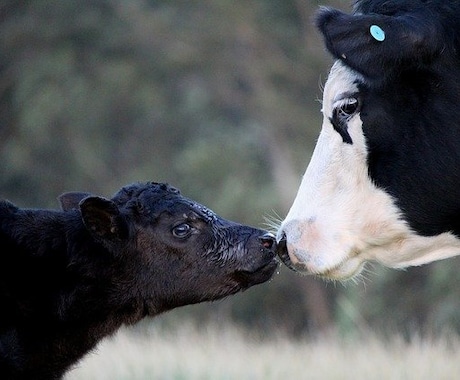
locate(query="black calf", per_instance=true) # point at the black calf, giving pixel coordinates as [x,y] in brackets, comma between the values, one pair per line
[69,278]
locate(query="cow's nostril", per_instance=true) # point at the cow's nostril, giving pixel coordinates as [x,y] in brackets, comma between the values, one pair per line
[267,240]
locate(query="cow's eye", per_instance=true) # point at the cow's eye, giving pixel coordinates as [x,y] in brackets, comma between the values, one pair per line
[182,230]
[348,107]
[344,109]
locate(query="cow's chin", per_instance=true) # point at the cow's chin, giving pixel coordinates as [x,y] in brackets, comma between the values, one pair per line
[344,270]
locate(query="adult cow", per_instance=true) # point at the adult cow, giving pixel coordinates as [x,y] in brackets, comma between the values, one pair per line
[384,180]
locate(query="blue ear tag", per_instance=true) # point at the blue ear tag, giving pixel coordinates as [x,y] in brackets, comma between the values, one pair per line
[377,32]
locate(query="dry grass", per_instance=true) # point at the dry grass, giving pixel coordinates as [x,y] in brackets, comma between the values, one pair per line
[229,353]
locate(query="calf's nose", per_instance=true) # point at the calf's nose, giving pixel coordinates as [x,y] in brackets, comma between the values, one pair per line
[267,240]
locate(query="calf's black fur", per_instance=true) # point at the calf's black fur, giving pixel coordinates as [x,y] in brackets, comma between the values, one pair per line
[69,278]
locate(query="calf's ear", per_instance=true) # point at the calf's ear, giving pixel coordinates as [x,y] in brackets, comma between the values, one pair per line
[103,220]
[376,45]
[71,200]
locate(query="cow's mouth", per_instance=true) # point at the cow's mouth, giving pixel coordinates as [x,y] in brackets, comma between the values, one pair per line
[342,271]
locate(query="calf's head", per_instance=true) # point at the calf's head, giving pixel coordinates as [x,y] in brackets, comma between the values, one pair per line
[175,251]
[383,182]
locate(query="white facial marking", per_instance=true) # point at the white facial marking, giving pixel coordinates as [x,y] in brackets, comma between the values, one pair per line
[339,218]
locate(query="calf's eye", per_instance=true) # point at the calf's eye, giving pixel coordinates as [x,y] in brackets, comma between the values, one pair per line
[182,230]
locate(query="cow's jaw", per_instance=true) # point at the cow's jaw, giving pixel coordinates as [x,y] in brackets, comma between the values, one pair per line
[340,219]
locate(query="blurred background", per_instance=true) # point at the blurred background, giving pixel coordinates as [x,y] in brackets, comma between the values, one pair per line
[219,98]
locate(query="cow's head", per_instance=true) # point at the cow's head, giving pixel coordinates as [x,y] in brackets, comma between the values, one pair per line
[383,183]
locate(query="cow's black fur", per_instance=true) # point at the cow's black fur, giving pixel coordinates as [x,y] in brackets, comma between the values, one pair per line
[410,101]
[68,278]
[418,33]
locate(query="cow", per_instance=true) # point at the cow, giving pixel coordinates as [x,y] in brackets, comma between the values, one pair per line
[383,183]
[70,277]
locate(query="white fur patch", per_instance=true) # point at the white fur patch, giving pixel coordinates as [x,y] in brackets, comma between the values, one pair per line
[339,218]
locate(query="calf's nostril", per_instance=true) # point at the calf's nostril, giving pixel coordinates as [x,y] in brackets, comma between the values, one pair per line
[267,240]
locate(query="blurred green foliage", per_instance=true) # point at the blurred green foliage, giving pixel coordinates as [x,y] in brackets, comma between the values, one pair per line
[219,98]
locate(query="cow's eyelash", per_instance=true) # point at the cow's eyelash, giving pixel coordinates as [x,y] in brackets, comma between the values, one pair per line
[347,106]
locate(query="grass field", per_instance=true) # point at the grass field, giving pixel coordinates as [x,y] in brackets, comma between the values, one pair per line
[218,353]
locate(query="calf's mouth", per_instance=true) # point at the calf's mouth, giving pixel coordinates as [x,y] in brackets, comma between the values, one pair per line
[263,262]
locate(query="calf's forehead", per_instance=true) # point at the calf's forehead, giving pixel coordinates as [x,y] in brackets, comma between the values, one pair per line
[159,198]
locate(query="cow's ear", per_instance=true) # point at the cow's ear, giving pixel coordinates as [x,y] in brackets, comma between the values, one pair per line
[71,200]
[103,220]
[376,45]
